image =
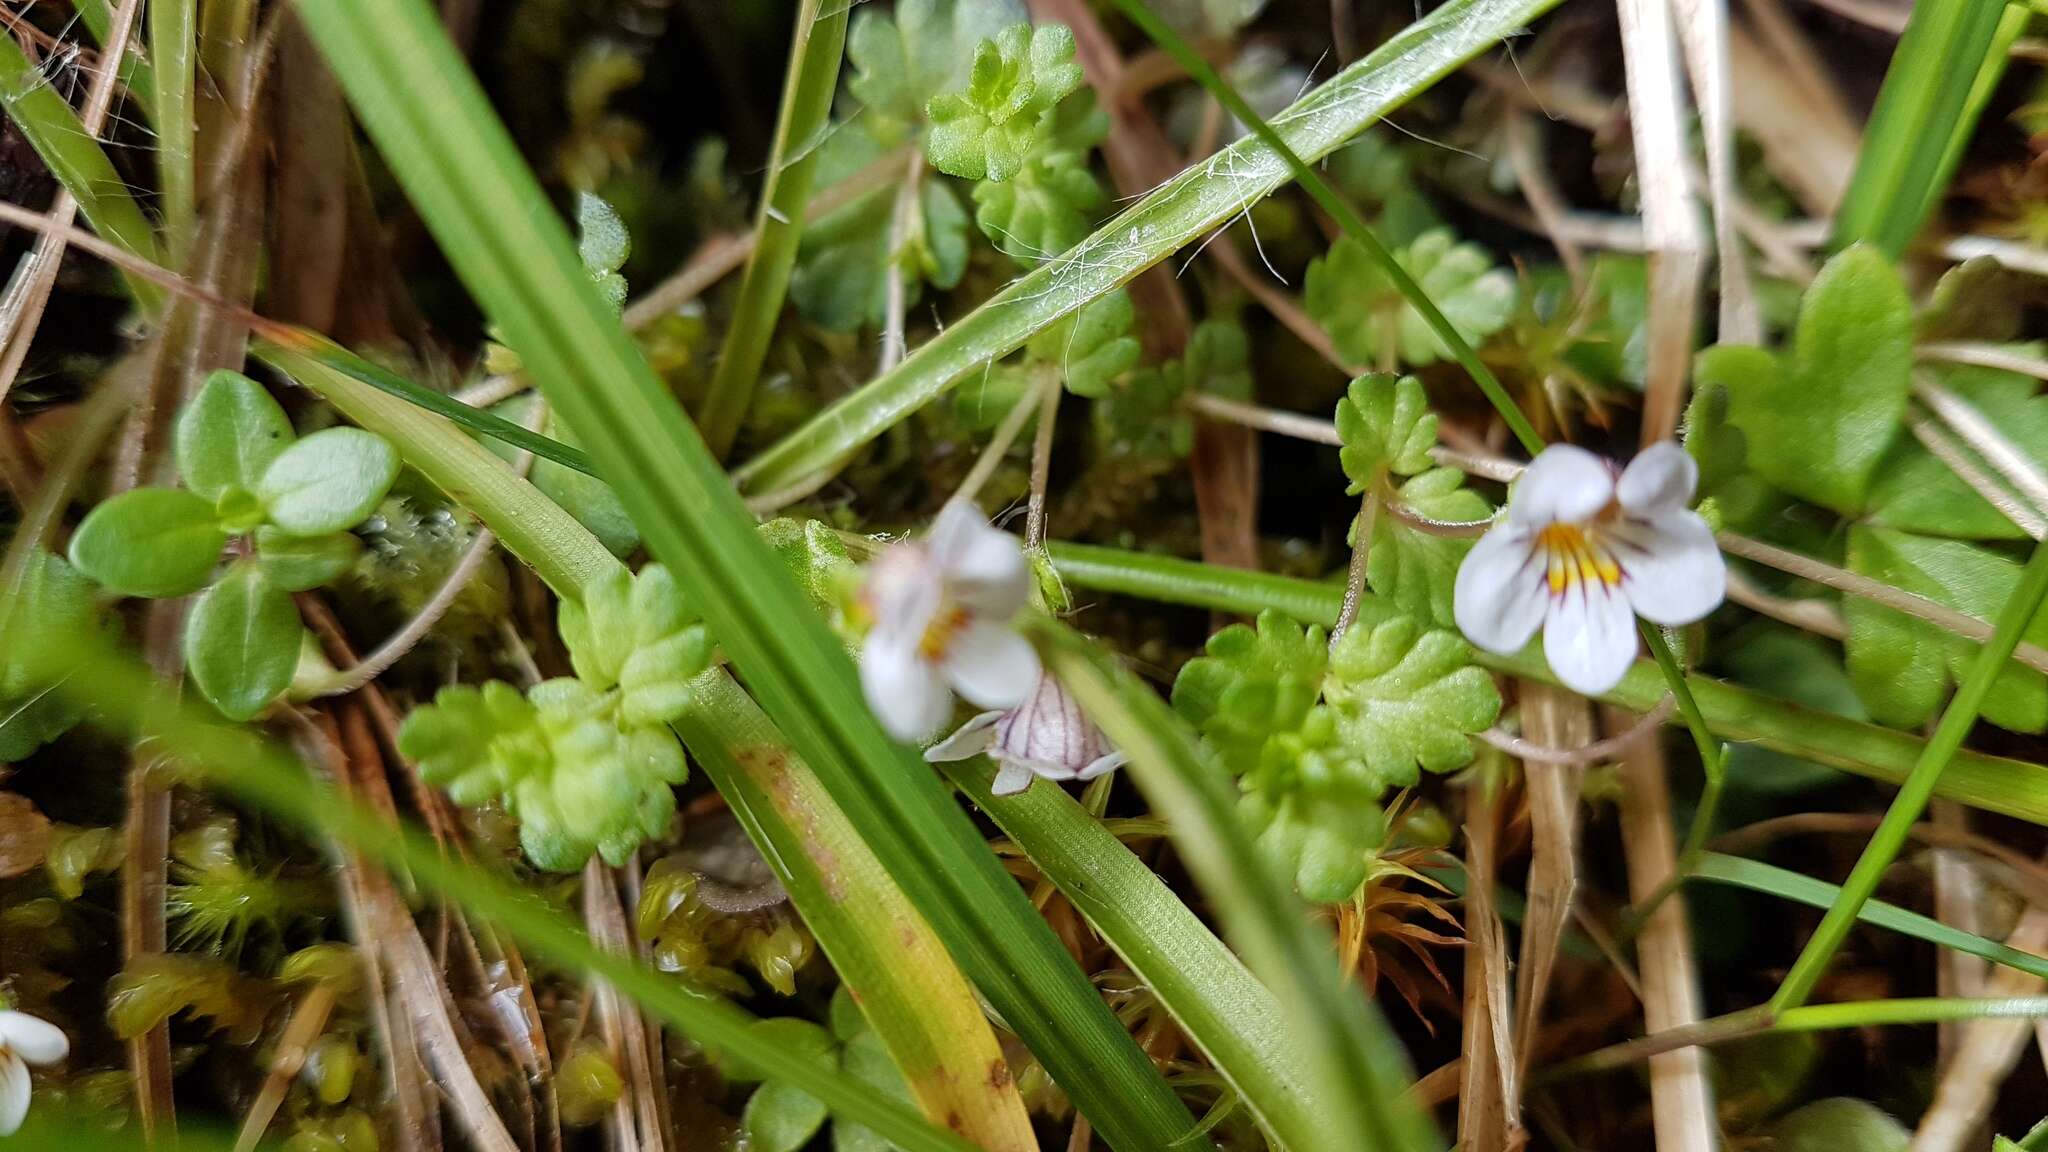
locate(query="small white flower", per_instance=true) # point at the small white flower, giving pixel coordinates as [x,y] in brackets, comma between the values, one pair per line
[24,1040]
[1046,735]
[1581,552]
[942,608]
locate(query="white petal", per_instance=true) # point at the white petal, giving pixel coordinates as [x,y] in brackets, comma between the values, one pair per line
[1011,779]
[1109,763]
[1500,595]
[970,739]
[991,666]
[906,693]
[1590,637]
[904,589]
[1564,482]
[14,1091]
[32,1038]
[1672,570]
[984,568]
[1660,479]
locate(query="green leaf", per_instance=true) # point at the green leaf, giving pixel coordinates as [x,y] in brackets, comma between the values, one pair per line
[1143,415]
[1362,310]
[603,788]
[1407,695]
[1902,666]
[475,742]
[1043,210]
[297,563]
[840,277]
[867,1060]
[52,601]
[601,238]
[1387,426]
[1838,1124]
[328,481]
[1819,418]
[987,130]
[899,64]
[1251,685]
[639,634]
[817,557]
[1414,569]
[242,642]
[228,435]
[1091,347]
[157,542]
[1218,360]
[1915,492]
[590,500]
[780,1118]
[1804,670]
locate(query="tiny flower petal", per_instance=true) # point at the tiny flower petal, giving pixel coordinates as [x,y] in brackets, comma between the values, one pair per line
[1500,597]
[1660,479]
[1590,637]
[907,693]
[1100,765]
[984,568]
[1011,779]
[991,666]
[32,1038]
[1564,482]
[14,1093]
[969,740]
[1674,573]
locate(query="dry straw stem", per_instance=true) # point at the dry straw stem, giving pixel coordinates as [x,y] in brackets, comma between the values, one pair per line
[1986,1053]
[1559,719]
[1489,1110]
[1656,102]
[634,1124]
[1681,1102]
[1703,30]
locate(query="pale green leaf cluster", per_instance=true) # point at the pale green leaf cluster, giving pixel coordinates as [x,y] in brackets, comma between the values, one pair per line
[246,475]
[1371,322]
[1317,732]
[1143,415]
[1823,422]
[585,763]
[1388,429]
[987,129]
[604,245]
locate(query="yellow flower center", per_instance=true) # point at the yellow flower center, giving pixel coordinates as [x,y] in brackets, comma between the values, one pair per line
[945,624]
[1574,555]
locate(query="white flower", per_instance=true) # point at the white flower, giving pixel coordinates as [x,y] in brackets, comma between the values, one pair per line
[24,1040]
[1581,552]
[1046,735]
[941,609]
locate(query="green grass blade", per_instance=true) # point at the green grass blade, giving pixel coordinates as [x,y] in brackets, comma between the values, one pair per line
[1923,112]
[136,74]
[1221,1006]
[914,997]
[1993,783]
[819,42]
[124,694]
[1358,1072]
[1178,213]
[1919,786]
[1760,877]
[78,162]
[174,56]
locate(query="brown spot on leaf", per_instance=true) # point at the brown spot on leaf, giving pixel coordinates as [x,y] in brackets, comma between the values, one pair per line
[999,1074]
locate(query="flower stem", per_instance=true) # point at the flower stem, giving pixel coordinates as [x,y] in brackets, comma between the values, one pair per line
[992,455]
[1354,578]
[1892,832]
[1041,461]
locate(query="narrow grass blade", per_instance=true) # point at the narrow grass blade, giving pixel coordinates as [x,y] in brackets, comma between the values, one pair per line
[914,997]
[1178,213]
[1993,783]
[1760,877]
[174,58]
[1221,1006]
[125,695]
[76,159]
[1358,1072]
[136,74]
[448,149]
[819,42]
[1909,146]
[1919,785]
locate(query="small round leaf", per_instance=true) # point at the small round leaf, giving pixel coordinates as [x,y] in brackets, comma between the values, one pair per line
[242,642]
[149,542]
[229,434]
[328,481]
[296,563]
[781,1118]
